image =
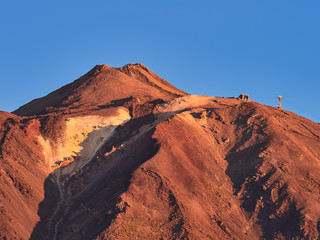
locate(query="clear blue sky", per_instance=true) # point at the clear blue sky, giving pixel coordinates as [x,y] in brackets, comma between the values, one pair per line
[216,48]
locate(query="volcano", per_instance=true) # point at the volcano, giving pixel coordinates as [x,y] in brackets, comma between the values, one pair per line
[122,154]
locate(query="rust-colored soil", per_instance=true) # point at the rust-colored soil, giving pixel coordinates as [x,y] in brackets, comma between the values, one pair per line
[122,154]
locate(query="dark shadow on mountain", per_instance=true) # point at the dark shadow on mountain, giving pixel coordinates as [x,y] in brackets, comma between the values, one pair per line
[90,199]
[51,198]
[243,170]
[116,103]
[286,225]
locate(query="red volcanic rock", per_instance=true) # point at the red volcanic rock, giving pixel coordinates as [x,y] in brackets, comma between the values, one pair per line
[103,86]
[122,154]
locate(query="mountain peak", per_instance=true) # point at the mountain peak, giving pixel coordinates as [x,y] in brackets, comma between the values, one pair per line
[133,65]
[101,85]
[101,67]
[98,68]
[122,154]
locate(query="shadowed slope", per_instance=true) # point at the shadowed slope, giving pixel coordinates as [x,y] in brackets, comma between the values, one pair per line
[270,190]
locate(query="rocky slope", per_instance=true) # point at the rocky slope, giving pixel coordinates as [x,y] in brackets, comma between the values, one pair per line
[122,154]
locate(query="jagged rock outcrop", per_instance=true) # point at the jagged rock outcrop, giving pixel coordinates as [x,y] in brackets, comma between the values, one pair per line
[122,154]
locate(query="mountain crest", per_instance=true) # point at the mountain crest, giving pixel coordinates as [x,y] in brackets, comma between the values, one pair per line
[101,85]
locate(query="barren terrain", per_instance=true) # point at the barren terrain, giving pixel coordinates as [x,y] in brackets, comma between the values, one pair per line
[122,154]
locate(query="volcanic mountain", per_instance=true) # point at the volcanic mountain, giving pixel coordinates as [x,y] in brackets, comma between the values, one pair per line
[122,154]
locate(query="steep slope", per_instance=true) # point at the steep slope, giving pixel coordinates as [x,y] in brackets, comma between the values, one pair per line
[22,173]
[157,164]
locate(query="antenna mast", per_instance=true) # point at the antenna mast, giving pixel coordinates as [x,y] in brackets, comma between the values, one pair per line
[280,102]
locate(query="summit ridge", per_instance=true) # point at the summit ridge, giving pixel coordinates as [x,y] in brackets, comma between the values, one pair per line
[101,85]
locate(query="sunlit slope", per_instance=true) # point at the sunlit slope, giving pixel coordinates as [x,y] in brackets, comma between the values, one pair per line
[101,87]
